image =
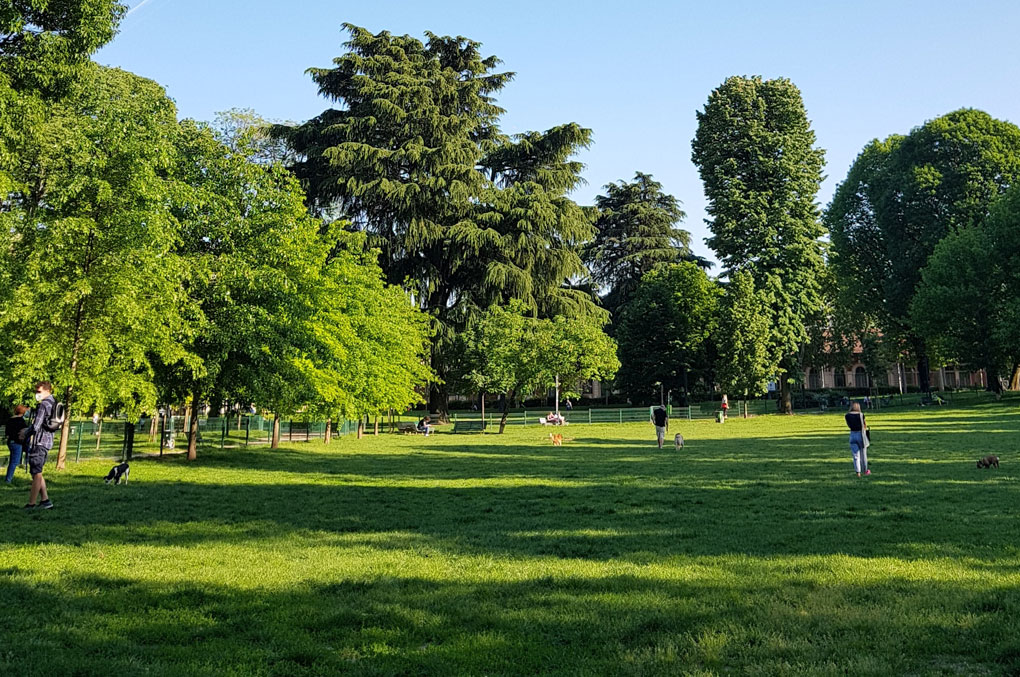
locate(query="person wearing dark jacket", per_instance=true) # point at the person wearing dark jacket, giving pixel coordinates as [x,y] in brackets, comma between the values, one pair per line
[16,437]
[42,442]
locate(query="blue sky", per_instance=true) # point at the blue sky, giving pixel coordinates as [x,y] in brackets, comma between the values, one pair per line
[634,72]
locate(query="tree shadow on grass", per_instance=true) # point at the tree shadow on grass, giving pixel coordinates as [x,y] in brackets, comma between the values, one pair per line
[767,495]
[768,620]
[679,505]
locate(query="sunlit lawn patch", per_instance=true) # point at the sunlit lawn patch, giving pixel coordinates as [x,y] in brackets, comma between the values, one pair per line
[753,551]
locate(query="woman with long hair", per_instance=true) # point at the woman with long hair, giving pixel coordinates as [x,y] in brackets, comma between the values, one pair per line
[858,438]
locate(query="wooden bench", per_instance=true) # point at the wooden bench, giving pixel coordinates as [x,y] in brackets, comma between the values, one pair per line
[471,426]
[408,429]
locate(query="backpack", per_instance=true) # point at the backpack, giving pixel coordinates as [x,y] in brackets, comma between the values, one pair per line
[56,420]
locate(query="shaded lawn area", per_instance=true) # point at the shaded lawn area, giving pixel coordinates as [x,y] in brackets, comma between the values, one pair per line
[753,551]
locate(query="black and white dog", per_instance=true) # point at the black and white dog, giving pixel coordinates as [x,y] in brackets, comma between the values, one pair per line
[118,473]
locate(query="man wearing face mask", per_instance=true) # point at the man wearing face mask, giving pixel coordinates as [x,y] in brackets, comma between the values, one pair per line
[42,442]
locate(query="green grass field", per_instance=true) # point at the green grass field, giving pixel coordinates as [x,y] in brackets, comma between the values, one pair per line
[754,551]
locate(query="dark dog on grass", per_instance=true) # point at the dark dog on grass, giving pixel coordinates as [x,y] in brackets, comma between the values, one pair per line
[118,473]
[988,462]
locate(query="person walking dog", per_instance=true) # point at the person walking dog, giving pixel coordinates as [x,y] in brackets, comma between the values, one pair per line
[660,419]
[858,438]
[39,448]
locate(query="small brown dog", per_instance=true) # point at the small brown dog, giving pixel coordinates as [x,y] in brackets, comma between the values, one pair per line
[557,439]
[988,462]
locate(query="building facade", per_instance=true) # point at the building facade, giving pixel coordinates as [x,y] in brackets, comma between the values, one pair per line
[900,376]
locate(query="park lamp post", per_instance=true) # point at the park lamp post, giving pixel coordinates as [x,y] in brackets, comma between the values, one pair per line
[557,395]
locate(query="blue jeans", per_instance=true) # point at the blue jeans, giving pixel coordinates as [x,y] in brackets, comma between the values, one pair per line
[859,451]
[15,449]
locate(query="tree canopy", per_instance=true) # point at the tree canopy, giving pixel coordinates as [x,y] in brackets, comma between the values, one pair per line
[92,280]
[744,366]
[635,231]
[664,331]
[756,153]
[506,351]
[965,307]
[464,216]
[901,198]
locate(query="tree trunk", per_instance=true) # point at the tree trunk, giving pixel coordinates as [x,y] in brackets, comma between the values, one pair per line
[993,384]
[65,429]
[193,427]
[785,395]
[376,424]
[1014,381]
[506,410]
[327,436]
[274,441]
[153,427]
[239,420]
[65,432]
[439,402]
[482,398]
[923,372]
[129,440]
[361,427]
[99,434]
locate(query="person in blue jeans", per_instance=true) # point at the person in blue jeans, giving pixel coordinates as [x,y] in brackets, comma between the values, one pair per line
[858,438]
[15,439]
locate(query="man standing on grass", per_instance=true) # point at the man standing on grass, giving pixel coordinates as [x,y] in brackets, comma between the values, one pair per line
[661,421]
[42,442]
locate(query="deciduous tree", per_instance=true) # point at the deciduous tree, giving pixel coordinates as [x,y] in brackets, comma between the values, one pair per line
[506,351]
[664,331]
[901,198]
[744,366]
[253,258]
[90,250]
[756,153]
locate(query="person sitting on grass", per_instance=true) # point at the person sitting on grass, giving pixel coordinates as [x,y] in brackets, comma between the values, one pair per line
[17,432]
[42,442]
[423,425]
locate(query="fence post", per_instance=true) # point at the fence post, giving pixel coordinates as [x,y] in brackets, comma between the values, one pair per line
[525,417]
[621,415]
[689,416]
[589,414]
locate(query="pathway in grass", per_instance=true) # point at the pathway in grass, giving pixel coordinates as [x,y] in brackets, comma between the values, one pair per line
[754,551]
